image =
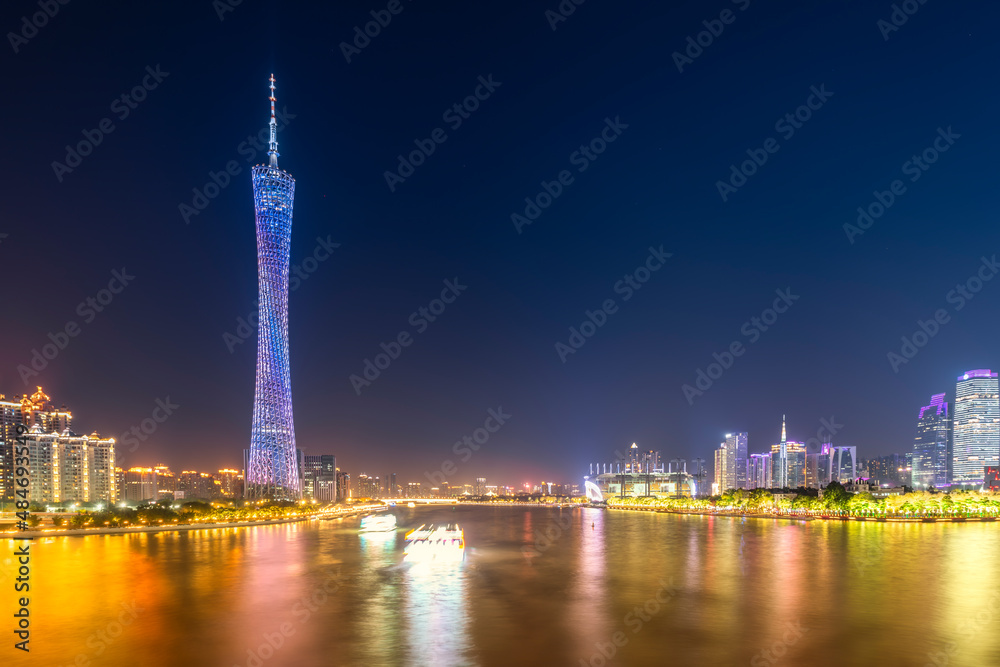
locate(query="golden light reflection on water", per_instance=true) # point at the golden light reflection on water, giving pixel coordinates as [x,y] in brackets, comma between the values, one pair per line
[318,593]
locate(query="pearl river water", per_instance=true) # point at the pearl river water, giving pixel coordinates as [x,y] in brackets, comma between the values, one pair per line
[538,586]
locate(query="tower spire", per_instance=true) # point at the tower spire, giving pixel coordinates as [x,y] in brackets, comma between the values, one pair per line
[782,429]
[272,148]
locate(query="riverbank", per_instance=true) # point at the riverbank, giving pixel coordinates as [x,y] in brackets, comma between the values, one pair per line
[812,517]
[71,532]
[77,532]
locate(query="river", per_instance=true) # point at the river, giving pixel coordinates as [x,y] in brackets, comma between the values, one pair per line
[538,586]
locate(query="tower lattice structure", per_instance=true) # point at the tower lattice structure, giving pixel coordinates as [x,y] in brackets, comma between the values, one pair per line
[273,466]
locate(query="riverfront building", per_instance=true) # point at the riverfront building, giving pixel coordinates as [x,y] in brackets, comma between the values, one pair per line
[932,446]
[65,467]
[976,427]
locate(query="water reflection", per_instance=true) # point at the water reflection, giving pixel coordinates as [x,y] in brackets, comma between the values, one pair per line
[866,593]
[436,618]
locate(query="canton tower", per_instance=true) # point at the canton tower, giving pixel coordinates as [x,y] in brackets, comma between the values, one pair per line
[273,467]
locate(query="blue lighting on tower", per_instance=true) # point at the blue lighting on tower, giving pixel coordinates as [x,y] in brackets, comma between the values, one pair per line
[273,466]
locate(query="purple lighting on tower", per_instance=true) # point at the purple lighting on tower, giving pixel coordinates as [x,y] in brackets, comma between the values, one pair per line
[978,373]
[937,401]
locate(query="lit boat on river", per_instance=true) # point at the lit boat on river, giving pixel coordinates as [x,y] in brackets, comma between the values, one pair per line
[445,543]
[378,523]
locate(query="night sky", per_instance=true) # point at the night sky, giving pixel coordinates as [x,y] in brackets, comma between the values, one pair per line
[607,65]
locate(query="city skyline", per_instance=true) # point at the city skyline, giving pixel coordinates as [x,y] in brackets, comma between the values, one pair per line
[160,290]
[826,435]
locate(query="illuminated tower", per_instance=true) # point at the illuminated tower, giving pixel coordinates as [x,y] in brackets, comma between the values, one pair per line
[273,467]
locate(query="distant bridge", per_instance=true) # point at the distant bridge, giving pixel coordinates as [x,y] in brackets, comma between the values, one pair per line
[425,501]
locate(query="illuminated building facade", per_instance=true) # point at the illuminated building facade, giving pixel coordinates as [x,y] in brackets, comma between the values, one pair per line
[272,472]
[67,468]
[976,427]
[10,419]
[343,486]
[892,470]
[788,462]
[140,485]
[231,483]
[731,462]
[166,483]
[932,446]
[991,482]
[319,477]
[759,471]
[620,480]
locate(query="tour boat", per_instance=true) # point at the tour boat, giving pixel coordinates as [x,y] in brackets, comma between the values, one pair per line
[379,523]
[445,544]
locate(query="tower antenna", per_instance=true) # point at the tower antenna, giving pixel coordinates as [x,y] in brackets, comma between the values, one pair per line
[273,145]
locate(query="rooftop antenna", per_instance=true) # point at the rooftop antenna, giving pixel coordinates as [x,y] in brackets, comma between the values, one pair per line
[273,145]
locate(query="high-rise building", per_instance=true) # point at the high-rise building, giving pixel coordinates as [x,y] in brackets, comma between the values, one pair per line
[932,445]
[414,490]
[273,469]
[140,485]
[759,471]
[844,466]
[319,477]
[721,469]
[10,419]
[38,409]
[343,486]
[480,487]
[65,467]
[788,462]
[736,460]
[230,480]
[166,483]
[976,427]
[891,470]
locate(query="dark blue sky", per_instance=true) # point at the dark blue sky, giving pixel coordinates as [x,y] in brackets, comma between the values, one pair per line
[655,185]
